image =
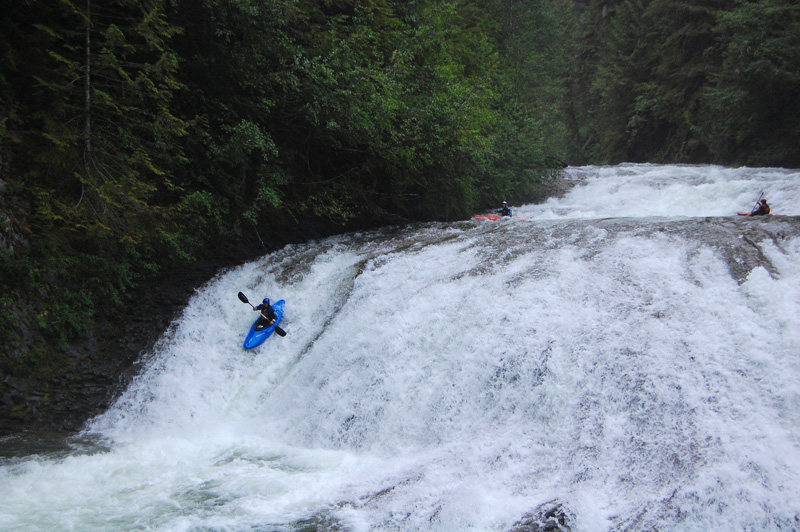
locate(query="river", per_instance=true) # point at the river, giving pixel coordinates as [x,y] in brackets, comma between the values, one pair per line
[625,357]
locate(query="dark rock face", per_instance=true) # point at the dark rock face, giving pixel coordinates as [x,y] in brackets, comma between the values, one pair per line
[90,373]
[548,517]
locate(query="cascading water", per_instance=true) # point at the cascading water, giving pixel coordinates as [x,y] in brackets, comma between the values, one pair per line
[625,357]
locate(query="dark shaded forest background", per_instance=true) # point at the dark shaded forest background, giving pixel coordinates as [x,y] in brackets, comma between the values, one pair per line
[138,136]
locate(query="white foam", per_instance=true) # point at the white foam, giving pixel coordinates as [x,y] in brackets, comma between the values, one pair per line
[646,190]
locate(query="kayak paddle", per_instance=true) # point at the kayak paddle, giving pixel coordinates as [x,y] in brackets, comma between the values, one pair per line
[756,205]
[243,299]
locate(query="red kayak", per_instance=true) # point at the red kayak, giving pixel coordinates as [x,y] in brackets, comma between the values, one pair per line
[749,214]
[495,218]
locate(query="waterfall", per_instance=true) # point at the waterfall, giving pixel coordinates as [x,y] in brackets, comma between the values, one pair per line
[626,355]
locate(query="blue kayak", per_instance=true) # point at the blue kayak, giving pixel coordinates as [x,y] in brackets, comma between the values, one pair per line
[257,336]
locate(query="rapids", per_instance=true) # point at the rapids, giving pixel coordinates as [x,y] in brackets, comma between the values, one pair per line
[626,356]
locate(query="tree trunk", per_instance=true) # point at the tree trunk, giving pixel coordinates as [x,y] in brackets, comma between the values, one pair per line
[87,102]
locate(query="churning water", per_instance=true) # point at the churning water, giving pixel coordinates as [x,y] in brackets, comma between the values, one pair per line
[623,358]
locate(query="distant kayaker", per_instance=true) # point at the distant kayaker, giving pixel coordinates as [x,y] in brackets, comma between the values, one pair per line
[268,316]
[505,210]
[761,208]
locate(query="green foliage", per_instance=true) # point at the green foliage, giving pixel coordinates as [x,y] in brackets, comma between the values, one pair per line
[14,277]
[139,135]
[402,110]
[529,136]
[14,273]
[705,81]
[754,100]
[67,287]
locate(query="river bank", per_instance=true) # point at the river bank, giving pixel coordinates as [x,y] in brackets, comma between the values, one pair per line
[57,389]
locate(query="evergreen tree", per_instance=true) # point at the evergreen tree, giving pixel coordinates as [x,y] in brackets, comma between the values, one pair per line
[677,81]
[754,96]
[90,134]
[611,63]
[239,66]
[534,45]
[680,54]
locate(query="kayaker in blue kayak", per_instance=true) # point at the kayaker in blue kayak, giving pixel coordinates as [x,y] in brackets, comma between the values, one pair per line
[505,210]
[268,316]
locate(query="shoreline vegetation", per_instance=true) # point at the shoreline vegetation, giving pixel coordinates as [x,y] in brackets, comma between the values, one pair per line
[145,145]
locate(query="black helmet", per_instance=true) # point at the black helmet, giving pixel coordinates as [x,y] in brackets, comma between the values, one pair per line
[764,200]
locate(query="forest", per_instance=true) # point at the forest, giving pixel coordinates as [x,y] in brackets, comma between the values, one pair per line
[138,136]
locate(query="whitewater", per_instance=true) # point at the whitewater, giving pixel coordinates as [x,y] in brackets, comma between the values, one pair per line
[623,357]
